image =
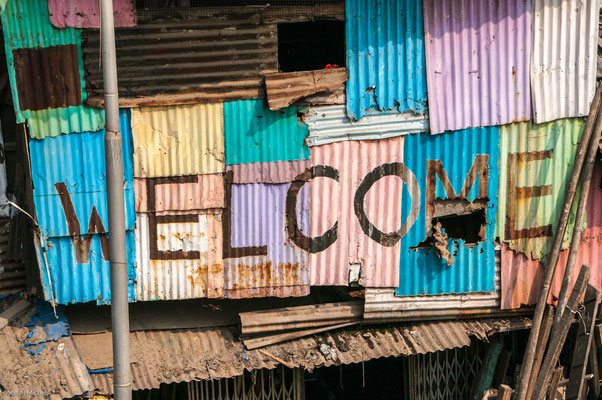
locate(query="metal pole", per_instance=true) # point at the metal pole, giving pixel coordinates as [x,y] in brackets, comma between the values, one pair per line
[544,290]
[116,206]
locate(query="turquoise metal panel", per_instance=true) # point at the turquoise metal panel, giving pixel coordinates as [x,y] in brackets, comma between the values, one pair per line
[254,133]
[385,56]
[422,272]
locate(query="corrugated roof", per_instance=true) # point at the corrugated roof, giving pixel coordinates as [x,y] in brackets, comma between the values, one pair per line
[563,62]
[254,133]
[26,24]
[178,140]
[179,57]
[385,56]
[86,13]
[340,239]
[329,124]
[477,57]
[535,167]
[441,166]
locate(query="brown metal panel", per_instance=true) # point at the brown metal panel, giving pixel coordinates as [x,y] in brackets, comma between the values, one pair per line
[47,77]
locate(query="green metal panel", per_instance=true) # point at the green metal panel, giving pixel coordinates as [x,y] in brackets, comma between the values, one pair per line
[26,24]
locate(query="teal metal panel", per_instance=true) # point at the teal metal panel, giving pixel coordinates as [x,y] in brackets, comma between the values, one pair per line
[254,133]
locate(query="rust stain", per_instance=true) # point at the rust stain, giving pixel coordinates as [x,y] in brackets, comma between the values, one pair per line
[197,276]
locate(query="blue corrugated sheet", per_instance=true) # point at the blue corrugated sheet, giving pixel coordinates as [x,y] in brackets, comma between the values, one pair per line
[421,270]
[254,133]
[385,56]
[77,160]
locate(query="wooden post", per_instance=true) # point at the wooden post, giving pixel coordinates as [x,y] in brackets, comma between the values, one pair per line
[556,376]
[544,336]
[485,375]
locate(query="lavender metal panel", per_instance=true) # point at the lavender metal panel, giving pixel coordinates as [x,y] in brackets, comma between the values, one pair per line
[86,14]
[477,58]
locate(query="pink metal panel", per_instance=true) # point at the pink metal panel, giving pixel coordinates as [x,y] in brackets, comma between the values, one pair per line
[85,13]
[333,203]
[184,193]
[477,58]
[521,276]
[267,172]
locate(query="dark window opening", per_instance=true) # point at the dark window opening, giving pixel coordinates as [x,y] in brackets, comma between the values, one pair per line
[307,46]
[468,227]
[229,3]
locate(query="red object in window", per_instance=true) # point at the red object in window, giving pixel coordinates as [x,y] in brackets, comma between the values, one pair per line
[331,66]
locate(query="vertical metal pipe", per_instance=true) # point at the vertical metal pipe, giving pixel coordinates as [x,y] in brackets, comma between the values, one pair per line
[116,207]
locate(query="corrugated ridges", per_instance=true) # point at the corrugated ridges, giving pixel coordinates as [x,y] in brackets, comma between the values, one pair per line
[477,57]
[385,56]
[86,13]
[12,272]
[563,62]
[267,172]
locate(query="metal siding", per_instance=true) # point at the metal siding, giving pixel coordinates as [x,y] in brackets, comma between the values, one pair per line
[178,140]
[333,203]
[254,133]
[422,271]
[258,213]
[522,276]
[86,14]
[183,57]
[477,57]
[330,124]
[385,56]
[78,161]
[26,25]
[551,147]
[563,62]
[267,172]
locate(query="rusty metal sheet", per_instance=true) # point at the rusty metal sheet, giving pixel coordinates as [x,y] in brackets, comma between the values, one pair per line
[563,62]
[86,14]
[477,62]
[267,172]
[176,57]
[535,167]
[285,88]
[355,205]
[12,272]
[522,276]
[183,193]
[178,140]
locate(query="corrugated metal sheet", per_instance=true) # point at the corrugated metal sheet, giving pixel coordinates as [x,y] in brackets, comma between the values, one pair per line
[385,56]
[214,353]
[340,238]
[12,272]
[535,168]
[86,14]
[431,158]
[267,172]
[563,63]
[178,140]
[262,257]
[256,134]
[179,57]
[521,276]
[477,57]
[193,192]
[179,256]
[329,124]
[26,25]
[77,161]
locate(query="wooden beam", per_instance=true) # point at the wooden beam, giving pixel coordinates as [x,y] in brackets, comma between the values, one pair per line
[544,336]
[501,368]
[594,384]
[556,376]
[13,312]
[504,392]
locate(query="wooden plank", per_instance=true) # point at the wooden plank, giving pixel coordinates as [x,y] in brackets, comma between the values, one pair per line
[501,368]
[556,376]
[504,392]
[558,335]
[586,322]
[485,375]
[544,336]
[594,384]
[13,312]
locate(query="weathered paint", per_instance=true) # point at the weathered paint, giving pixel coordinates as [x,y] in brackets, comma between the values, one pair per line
[267,172]
[86,14]
[76,282]
[522,276]
[330,124]
[179,256]
[356,211]
[68,174]
[178,140]
[182,193]
[536,161]
[477,58]
[254,133]
[263,253]
[26,24]
[458,157]
[385,56]
[563,62]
